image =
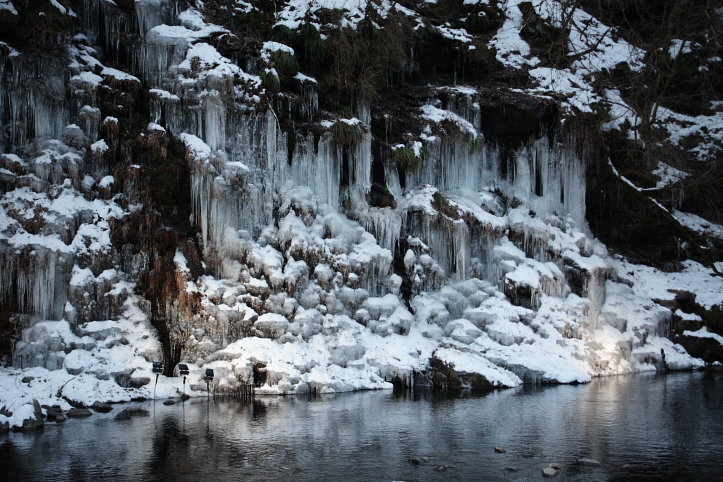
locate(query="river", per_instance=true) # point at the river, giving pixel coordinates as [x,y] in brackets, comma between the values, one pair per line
[644,426]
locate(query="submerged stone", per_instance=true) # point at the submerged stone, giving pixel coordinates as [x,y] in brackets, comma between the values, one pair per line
[101,407]
[79,413]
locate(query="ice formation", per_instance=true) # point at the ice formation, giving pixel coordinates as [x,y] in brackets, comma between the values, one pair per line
[481,261]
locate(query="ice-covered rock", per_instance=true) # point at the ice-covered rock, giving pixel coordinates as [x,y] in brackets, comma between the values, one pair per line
[237,223]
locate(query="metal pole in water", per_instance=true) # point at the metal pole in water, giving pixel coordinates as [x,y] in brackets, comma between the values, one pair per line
[157,369]
[209,378]
[183,370]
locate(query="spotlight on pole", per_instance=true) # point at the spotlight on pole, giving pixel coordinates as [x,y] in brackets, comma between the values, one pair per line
[157,369]
[183,370]
[209,378]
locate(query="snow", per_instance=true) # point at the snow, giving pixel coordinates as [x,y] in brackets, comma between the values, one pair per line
[164,94]
[99,146]
[471,362]
[294,12]
[698,224]
[668,175]
[458,34]
[579,94]
[93,370]
[118,75]
[525,276]
[57,5]
[304,78]
[438,115]
[8,5]
[687,316]
[192,19]
[694,278]
[704,333]
[269,48]
[182,32]
[88,78]
[298,267]
[511,48]
[81,277]
[196,148]
[106,181]
[678,47]
[680,127]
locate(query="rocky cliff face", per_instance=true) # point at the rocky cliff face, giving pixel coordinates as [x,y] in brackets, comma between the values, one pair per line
[330,196]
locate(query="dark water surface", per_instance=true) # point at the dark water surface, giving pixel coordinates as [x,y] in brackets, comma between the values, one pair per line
[639,427]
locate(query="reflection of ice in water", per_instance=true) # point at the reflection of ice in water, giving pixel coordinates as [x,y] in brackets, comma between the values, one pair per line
[618,421]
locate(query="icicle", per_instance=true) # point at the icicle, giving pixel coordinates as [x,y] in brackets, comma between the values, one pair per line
[319,170]
[464,106]
[551,177]
[310,100]
[34,96]
[450,163]
[364,112]
[360,169]
[116,25]
[151,13]
[391,174]
[91,125]
[36,284]
[214,121]
[157,54]
[448,240]
[384,223]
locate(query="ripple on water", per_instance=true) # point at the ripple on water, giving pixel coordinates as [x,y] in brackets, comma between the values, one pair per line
[640,426]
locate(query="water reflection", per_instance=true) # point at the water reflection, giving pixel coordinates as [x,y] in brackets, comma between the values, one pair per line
[638,427]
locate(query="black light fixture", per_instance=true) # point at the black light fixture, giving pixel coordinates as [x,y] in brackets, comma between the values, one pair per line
[183,370]
[209,378]
[157,369]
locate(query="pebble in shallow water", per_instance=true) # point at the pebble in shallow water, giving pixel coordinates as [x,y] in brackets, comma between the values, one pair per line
[589,462]
[549,472]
